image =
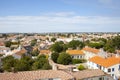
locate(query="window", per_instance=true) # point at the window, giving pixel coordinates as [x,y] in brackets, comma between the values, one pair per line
[112,74]
[78,57]
[119,67]
[112,69]
[100,78]
[109,70]
[72,56]
[97,65]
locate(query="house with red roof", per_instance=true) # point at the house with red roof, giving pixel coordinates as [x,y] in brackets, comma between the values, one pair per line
[76,54]
[110,65]
[90,52]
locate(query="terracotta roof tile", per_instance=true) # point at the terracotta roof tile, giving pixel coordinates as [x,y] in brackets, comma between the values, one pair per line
[75,52]
[105,62]
[87,74]
[33,75]
[44,51]
[21,52]
[91,50]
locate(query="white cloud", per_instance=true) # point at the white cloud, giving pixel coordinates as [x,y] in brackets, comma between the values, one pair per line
[59,13]
[49,23]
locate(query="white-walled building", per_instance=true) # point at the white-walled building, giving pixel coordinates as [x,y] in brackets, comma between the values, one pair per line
[76,54]
[90,52]
[110,65]
[4,50]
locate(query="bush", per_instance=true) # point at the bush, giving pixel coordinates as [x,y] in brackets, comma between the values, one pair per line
[81,67]
[77,61]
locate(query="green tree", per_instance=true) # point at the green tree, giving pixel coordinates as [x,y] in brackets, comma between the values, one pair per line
[35,52]
[33,42]
[22,66]
[64,58]
[77,61]
[74,44]
[36,65]
[41,63]
[55,56]
[41,56]
[53,39]
[81,67]
[57,47]
[7,43]
[116,42]
[8,63]
[46,66]
[109,46]
[97,45]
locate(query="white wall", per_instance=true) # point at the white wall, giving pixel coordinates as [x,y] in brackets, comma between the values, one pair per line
[89,55]
[116,72]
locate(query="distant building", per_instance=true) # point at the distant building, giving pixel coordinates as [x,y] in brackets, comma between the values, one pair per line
[4,50]
[20,53]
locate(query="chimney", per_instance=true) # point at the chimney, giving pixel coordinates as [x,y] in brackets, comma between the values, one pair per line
[54,67]
[101,50]
[70,69]
[117,55]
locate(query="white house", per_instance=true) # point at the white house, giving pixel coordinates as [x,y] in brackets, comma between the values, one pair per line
[19,54]
[90,52]
[76,54]
[110,65]
[4,50]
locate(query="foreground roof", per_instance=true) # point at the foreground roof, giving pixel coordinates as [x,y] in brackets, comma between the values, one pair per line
[105,62]
[87,73]
[36,75]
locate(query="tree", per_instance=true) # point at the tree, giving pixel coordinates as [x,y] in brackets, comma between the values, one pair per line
[112,44]
[74,44]
[41,56]
[22,66]
[35,52]
[8,63]
[7,43]
[36,65]
[33,42]
[109,46]
[55,56]
[41,63]
[46,66]
[81,67]
[64,58]
[53,39]
[97,45]
[77,61]
[116,41]
[57,47]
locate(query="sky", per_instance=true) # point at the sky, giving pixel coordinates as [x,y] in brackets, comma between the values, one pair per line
[59,16]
